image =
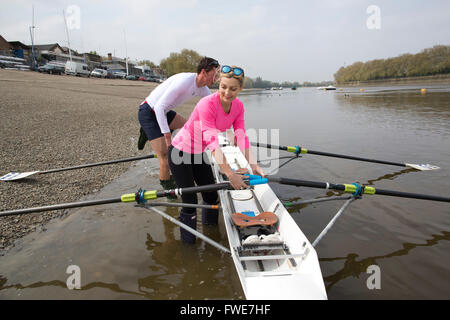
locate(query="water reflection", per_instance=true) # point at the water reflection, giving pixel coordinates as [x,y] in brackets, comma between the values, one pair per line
[423,112]
[178,267]
[355,268]
[61,284]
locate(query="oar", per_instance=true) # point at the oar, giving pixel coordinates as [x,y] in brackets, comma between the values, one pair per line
[21,175]
[355,188]
[140,197]
[299,150]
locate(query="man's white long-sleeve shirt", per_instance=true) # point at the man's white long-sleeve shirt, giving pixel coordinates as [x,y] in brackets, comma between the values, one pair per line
[171,93]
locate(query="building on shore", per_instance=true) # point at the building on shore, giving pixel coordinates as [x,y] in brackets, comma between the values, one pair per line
[5,47]
[93,60]
[119,64]
[15,49]
[55,54]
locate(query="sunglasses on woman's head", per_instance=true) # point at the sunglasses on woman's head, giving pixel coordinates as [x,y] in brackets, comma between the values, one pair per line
[236,71]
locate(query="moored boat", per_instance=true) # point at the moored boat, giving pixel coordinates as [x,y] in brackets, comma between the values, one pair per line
[330,87]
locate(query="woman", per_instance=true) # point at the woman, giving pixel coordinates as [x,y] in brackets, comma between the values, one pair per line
[157,118]
[214,113]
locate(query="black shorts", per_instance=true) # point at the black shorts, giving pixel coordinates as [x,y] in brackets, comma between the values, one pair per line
[195,171]
[147,119]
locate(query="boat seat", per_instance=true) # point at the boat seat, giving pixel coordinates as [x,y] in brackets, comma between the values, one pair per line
[262,219]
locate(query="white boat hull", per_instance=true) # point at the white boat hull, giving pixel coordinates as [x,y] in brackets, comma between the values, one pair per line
[266,274]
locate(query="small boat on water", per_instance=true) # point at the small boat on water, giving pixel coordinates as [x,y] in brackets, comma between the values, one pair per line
[330,87]
[272,256]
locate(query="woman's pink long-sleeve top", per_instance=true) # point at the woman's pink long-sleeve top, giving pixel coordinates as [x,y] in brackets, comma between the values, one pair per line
[207,119]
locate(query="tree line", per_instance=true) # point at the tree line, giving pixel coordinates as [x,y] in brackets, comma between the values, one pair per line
[187,61]
[430,61]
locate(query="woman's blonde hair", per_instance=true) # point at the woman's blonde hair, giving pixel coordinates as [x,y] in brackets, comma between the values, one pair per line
[239,78]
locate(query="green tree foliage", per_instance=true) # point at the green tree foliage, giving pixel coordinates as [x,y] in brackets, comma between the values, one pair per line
[147,63]
[430,61]
[185,61]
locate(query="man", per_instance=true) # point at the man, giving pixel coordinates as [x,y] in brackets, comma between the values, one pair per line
[157,118]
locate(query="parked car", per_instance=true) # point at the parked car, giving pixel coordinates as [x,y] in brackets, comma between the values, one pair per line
[119,74]
[99,73]
[109,74]
[131,77]
[51,69]
[77,68]
[154,79]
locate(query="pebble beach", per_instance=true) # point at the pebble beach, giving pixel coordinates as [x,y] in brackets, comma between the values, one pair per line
[54,121]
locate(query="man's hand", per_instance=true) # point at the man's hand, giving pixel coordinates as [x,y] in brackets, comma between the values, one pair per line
[168,138]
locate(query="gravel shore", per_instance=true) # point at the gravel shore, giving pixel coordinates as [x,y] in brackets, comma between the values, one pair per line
[52,121]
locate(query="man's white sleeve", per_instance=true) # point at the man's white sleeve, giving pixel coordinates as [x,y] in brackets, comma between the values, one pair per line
[167,101]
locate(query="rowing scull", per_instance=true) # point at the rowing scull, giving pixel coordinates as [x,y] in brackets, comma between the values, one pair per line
[284,266]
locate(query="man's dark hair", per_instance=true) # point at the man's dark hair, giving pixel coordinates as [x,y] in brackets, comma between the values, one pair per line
[208,64]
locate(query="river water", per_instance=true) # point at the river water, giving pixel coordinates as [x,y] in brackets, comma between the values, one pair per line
[124,252]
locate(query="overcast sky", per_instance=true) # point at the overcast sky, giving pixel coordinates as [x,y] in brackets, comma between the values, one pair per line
[277,40]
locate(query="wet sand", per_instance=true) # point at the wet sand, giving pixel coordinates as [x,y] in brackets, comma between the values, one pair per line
[52,121]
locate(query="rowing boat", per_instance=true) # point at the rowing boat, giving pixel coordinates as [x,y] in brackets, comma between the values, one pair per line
[282,265]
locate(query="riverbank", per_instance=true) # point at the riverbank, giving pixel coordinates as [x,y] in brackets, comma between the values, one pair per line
[436,79]
[52,121]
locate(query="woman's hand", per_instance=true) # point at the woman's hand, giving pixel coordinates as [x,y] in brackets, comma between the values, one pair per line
[257,170]
[237,181]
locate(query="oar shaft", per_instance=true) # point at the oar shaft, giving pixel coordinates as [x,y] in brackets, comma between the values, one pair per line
[150,156]
[348,188]
[394,193]
[342,156]
[269,146]
[305,183]
[59,206]
[180,205]
[326,154]
[130,197]
[189,190]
